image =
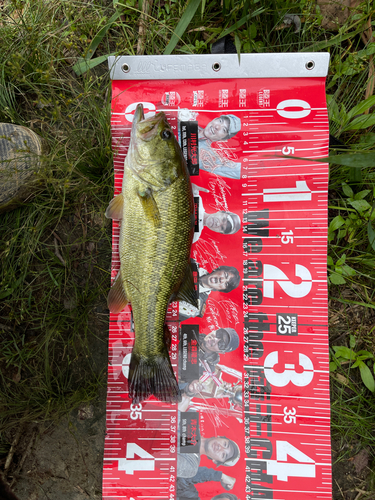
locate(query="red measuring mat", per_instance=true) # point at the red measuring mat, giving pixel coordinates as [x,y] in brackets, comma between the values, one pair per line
[252,360]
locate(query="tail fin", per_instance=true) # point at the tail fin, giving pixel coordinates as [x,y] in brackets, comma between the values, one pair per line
[153,375]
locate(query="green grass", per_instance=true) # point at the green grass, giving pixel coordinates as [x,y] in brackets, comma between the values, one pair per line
[55,249]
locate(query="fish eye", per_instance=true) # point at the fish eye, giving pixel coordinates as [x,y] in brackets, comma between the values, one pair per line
[166,134]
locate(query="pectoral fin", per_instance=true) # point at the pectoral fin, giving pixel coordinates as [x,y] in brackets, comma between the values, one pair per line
[117,299]
[187,290]
[149,206]
[116,208]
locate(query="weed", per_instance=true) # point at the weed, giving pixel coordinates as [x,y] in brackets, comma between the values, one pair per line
[360,359]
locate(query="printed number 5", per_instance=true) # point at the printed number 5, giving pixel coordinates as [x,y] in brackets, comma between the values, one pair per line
[288,150]
[289,374]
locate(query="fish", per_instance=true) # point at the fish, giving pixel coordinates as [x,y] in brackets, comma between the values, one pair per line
[156,209]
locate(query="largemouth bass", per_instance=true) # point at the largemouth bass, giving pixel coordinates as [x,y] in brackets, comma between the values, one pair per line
[157,211]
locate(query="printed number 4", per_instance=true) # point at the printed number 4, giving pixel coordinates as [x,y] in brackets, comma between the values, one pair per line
[282,469]
[146,462]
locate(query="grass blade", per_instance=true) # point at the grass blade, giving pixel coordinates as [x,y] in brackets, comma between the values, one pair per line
[370,230]
[100,35]
[186,17]
[241,22]
[82,65]
[237,43]
[355,160]
[335,40]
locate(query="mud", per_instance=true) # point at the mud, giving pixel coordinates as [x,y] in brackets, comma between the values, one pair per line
[65,461]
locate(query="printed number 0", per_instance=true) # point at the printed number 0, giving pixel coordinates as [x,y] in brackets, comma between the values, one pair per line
[289,374]
[272,273]
[293,103]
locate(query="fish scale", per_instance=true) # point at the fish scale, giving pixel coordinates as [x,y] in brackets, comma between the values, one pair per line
[154,253]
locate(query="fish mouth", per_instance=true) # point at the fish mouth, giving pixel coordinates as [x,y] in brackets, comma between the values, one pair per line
[146,129]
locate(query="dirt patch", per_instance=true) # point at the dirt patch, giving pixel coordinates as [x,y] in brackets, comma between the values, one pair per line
[65,461]
[352,478]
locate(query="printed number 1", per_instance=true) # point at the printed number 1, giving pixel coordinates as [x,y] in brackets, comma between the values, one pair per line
[146,462]
[282,469]
[299,193]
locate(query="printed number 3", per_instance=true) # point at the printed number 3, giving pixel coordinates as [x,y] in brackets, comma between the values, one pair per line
[289,374]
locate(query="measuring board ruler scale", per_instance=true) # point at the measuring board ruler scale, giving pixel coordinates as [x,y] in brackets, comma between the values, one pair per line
[252,362]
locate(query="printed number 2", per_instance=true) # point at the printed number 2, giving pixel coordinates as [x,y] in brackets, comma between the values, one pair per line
[289,374]
[272,273]
[146,462]
[282,469]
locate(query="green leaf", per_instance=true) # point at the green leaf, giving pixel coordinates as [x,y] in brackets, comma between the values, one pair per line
[355,175]
[364,355]
[352,341]
[82,65]
[333,109]
[184,22]
[361,122]
[347,190]
[367,376]
[341,260]
[362,194]
[348,271]
[252,31]
[332,366]
[362,107]
[336,279]
[360,205]
[370,49]
[337,222]
[370,230]
[344,352]
[329,260]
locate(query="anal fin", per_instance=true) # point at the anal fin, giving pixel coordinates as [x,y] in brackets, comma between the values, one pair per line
[117,299]
[187,290]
